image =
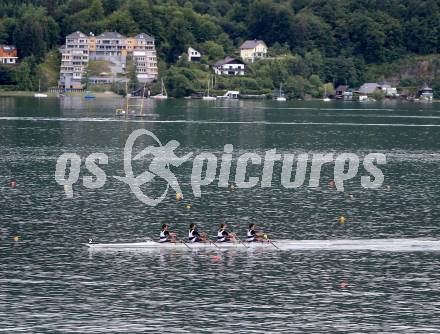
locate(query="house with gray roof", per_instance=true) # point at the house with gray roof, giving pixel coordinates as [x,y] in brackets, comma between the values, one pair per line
[109,44]
[252,50]
[370,87]
[229,66]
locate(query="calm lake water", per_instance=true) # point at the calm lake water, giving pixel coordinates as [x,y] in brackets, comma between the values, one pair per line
[51,283]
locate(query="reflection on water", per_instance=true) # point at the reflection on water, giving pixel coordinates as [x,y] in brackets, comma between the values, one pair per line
[49,282]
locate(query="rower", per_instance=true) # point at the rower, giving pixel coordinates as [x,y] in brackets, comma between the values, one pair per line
[252,235]
[165,235]
[223,235]
[194,235]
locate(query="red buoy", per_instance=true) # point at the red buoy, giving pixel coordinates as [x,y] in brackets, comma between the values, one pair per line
[343,285]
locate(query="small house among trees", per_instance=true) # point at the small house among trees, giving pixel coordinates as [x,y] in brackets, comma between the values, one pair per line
[340,90]
[193,55]
[229,66]
[252,50]
[8,54]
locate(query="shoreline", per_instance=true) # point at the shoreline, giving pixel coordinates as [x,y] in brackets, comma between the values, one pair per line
[109,94]
[22,93]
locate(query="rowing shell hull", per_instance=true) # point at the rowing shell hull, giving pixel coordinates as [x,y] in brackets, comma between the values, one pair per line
[384,245]
[184,246]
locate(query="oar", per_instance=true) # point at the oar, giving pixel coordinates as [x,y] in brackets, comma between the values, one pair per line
[236,237]
[270,241]
[183,242]
[213,243]
[210,241]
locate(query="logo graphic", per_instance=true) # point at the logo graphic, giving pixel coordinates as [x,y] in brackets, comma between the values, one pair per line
[163,158]
[251,169]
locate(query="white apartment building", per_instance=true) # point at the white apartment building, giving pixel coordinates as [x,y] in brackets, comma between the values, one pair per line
[74,61]
[109,46]
[144,58]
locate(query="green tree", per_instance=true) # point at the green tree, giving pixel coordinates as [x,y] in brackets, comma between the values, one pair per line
[133,82]
[213,50]
[314,86]
[295,87]
[311,32]
[378,95]
[183,60]
[35,32]
[314,63]
[6,75]
[178,85]
[23,78]
[421,37]
[224,40]
[278,49]
[269,21]
[122,22]
[141,12]
[3,34]
[85,18]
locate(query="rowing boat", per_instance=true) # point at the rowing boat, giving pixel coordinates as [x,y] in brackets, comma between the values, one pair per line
[384,245]
[179,245]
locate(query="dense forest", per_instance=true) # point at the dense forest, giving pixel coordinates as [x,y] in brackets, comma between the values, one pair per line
[334,41]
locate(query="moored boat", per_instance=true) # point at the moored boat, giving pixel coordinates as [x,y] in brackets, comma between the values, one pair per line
[40,94]
[209,97]
[280,97]
[163,95]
